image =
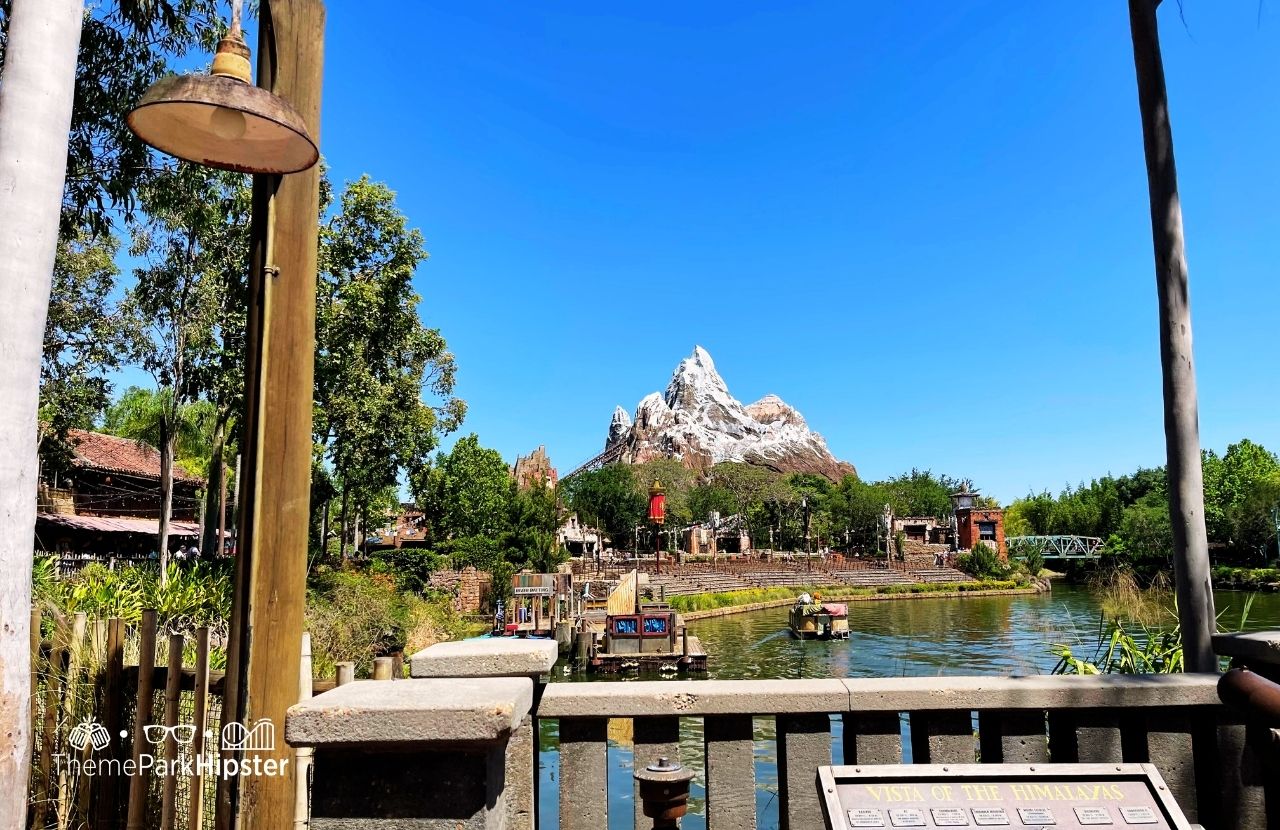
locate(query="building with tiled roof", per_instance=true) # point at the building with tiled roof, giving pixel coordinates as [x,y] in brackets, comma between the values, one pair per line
[109,499]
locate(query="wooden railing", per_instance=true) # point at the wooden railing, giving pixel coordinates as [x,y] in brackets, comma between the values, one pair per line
[1173,721]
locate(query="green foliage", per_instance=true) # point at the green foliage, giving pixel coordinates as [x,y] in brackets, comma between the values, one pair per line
[982,562]
[832,593]
[466,492]
[608,498]
[375,359]
[411,568]
[1126,648]
[192,596]
[359,616]
[1029,556]
[83,342]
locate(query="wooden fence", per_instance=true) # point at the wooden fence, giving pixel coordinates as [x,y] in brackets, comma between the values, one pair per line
[127,723]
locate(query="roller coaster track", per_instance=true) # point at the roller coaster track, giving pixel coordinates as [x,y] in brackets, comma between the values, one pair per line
[1056,547]
[609,456]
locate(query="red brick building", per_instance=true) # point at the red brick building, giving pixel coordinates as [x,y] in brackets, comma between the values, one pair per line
[976,524]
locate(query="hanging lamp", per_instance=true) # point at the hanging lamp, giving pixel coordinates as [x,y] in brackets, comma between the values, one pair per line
[221,119]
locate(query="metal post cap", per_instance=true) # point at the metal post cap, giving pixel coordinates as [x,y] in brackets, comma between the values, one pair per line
[665,771]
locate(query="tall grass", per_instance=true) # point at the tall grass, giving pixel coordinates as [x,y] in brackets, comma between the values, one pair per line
[731,599]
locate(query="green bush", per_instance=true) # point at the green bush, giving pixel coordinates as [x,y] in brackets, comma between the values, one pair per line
[982,562]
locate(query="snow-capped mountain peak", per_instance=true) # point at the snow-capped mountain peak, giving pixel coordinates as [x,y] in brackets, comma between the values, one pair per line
[699,421]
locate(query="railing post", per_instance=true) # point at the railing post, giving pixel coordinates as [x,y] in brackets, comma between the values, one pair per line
[424,753]
[1249,764]
[500,657]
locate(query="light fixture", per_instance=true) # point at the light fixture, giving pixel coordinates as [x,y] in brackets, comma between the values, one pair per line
[221,119]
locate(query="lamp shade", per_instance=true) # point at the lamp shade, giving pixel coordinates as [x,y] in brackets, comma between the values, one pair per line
[222,122]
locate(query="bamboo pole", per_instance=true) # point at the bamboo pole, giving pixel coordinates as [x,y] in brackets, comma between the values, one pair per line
[137,809]
[172,701]
[49,727]
[271,561]
[108,806]
[199,719]
[76,653]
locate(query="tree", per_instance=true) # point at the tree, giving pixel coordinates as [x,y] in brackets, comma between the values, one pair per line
[609,497]
[1181,419]
[375,360]
[36,96]
[467,491]
[83,340]
[181,305]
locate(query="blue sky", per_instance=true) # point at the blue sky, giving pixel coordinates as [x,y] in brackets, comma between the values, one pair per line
[923,225]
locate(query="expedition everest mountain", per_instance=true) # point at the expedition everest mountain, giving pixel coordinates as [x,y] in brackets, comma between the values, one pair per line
[700,423]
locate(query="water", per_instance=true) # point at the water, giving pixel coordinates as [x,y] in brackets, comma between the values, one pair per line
[1001,636]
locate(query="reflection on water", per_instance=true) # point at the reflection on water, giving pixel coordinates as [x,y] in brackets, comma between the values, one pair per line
[1008,635]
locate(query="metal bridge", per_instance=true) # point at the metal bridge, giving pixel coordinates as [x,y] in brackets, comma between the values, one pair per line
[610,455]
[1056,547]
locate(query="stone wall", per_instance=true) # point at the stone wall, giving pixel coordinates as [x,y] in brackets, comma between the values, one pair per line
[967,529]
[469,587]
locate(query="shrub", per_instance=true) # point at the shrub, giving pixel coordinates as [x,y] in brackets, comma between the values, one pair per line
[982,562]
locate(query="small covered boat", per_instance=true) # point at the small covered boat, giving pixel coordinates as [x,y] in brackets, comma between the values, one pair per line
[812,619]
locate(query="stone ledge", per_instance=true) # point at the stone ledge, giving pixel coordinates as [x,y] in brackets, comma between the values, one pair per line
[693,698]
[400,712]
[1258,646]
[1034,692]
[493,657]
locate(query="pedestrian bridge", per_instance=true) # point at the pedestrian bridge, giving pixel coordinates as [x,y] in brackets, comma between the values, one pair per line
[1056,547]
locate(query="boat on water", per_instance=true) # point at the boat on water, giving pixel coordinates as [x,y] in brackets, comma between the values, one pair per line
[631,635]
[812,619]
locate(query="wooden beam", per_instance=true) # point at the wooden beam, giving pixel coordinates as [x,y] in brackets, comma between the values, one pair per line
[270,593]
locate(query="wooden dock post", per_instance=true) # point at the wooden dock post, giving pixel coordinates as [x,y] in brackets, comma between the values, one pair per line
[172,701]
[200,720]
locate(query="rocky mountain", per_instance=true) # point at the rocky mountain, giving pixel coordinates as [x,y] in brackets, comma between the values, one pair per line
[697,421]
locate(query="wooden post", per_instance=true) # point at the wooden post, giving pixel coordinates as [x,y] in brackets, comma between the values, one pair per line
[302,797]
[49,729]
[346,672]
[1181,416]
[137,812]
[382,668]
[270,583]
[76,649]
[172,701]
[108,785]
[200,720]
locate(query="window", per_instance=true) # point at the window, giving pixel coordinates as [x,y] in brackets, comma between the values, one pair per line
[987,531]
[625,625]
[655,625]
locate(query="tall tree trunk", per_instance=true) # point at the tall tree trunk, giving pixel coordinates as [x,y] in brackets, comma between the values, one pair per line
[324,530]
[342,520]
[214,490]
[1181,421]
[36,93]
[168,440]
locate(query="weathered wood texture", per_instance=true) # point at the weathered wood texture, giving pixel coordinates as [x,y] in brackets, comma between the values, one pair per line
[270,596]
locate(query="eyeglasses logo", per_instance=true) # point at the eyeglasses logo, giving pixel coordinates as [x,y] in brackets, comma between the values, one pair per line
[182,733]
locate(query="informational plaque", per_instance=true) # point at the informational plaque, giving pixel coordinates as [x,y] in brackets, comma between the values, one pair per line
[1040,796]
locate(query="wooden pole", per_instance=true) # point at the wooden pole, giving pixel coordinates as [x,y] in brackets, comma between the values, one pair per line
[302,795]
[270,585]
[1181,418]
[172,702]
[345,672]
[137,813]
[76,653]
[382,668]
[107,786]
[199,719]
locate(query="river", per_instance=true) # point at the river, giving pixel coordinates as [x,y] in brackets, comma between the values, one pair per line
[1002,635]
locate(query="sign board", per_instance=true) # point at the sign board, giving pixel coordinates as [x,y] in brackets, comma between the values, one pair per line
[1038,796]
[533,591]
